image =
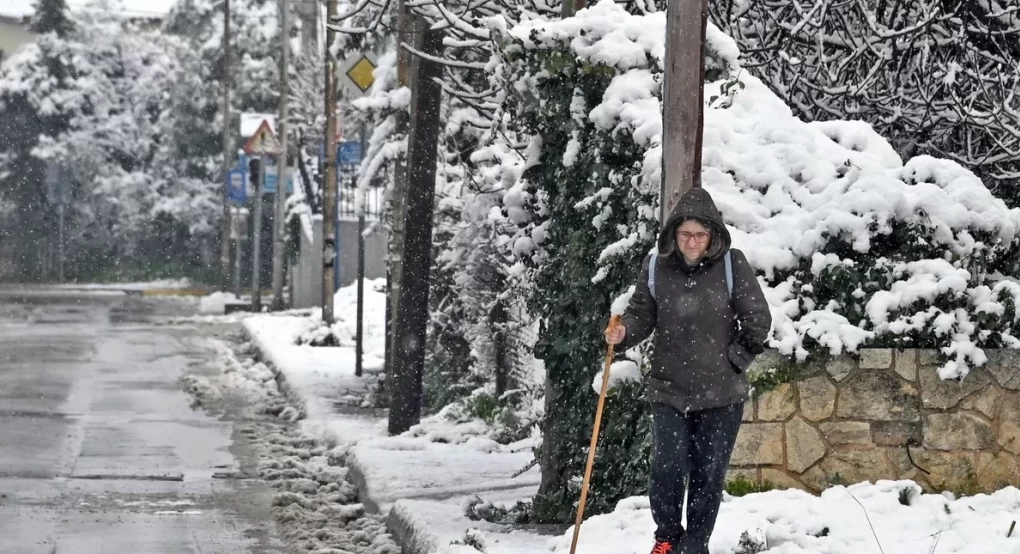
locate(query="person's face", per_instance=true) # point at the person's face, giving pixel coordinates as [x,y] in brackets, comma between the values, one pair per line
[693,238]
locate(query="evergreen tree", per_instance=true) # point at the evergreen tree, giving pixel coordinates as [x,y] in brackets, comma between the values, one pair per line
[51,17]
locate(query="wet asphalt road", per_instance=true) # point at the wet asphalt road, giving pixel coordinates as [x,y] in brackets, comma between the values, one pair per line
[100,451]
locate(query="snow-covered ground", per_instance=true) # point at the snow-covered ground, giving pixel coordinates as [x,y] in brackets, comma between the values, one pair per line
[436,468]
[859,519]
[426,478]
[316,505]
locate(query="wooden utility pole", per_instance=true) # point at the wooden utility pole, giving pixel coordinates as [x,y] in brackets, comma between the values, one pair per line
[329,198]
[683,109]
[280,220]
[228,154]
[571,7]
[409,332]
[399,196]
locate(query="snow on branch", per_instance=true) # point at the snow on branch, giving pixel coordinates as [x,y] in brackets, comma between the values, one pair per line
[937,77]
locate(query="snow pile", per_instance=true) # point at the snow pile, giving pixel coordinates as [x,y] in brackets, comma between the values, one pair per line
[253,379]
[216,303]
[620,372]
[344,329]
[855,247]
[842,520]
[316,506]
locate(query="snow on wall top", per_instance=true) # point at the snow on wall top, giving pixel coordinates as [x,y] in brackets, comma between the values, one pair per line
[127,8]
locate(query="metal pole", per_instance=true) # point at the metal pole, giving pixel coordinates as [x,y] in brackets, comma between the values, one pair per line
[63,236]
[388,325]
[359,348]
[256,285]
[329,198]
[280,220]
[238,242]
[337,266]
[227,149]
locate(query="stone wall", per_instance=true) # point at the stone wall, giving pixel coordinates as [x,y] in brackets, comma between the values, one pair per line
[885,415]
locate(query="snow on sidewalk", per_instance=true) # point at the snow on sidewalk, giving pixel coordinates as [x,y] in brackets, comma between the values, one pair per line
[436,468]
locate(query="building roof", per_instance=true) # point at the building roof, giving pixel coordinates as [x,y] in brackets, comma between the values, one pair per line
[147,9]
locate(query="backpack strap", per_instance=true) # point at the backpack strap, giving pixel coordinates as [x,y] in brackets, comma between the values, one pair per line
[729,273]
[653,260]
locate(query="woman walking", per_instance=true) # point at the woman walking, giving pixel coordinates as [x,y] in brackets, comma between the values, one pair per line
[711,319]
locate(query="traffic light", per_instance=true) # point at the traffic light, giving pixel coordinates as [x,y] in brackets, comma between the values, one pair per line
[255,174]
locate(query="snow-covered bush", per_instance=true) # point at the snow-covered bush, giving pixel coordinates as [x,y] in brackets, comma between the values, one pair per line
[934,77]
[854,247]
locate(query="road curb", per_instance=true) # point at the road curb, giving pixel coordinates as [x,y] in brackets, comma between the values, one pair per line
[171,292]
[396,526]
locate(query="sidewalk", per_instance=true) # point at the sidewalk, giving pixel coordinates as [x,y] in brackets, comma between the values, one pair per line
[425,478]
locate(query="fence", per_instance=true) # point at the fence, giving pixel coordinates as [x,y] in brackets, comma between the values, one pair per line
[347,192]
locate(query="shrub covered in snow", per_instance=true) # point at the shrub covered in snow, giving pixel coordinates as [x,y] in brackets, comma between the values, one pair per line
[935,76]
[854,247]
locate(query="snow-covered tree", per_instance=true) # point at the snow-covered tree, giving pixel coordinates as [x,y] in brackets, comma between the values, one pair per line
[50,16]
[119,109]
[255,47]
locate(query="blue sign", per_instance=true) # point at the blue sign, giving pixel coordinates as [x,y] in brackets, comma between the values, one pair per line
[237,186]
[272,177]
[349,153]
[273,180]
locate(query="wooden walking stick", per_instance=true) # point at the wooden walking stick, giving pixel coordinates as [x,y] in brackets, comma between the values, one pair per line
[614,323]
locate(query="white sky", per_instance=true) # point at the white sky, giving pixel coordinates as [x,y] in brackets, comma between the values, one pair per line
[150,8]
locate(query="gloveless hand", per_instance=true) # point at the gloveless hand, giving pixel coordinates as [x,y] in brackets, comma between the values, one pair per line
[615,336]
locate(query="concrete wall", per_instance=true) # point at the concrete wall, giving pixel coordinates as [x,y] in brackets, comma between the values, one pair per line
[306,274]
[886,415]
[375,252]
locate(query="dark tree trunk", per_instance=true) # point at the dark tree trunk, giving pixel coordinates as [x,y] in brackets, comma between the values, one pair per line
[408,362]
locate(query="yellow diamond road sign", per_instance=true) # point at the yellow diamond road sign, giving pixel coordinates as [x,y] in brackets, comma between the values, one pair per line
[360,73]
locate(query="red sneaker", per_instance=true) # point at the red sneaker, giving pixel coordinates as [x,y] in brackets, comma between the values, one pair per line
[663,547]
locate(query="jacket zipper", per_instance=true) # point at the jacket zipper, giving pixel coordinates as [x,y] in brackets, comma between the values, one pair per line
[690,338]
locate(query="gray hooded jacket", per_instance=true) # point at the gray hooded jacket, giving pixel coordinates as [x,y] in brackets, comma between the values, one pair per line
[704,339]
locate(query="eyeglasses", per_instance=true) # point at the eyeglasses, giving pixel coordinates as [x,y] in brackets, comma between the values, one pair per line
[697,237]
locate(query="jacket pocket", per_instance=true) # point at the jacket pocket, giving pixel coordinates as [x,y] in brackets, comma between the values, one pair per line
[739,358]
